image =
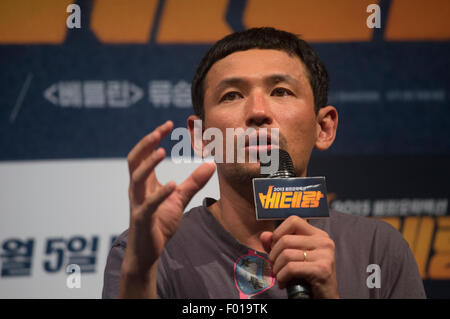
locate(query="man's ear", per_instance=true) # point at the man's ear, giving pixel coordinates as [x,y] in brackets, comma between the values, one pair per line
[327,122]
[196,134]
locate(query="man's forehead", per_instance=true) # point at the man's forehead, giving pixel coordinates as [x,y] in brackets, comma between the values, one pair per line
[256,63]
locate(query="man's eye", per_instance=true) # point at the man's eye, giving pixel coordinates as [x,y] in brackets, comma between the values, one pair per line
[230,96]
[281,92]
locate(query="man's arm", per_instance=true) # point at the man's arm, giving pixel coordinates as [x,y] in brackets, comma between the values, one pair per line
[155,213]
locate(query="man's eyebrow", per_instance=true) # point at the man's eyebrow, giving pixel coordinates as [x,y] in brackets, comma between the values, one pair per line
[234,81]
[277,78]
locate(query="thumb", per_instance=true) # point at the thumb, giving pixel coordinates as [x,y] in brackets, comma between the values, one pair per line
[195,182]
[266,240]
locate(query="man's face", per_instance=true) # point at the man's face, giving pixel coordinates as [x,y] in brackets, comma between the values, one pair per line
[262,89]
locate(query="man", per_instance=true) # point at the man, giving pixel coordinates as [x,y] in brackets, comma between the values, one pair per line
[259,78]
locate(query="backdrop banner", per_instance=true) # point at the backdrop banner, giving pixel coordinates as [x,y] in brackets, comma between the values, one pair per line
[82,82]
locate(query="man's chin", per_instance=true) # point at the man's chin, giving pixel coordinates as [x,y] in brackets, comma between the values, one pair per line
[240,172]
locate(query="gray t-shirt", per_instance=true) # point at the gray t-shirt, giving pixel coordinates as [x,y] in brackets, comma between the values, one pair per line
[202,260]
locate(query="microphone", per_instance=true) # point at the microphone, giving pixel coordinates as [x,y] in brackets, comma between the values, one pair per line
[286,170]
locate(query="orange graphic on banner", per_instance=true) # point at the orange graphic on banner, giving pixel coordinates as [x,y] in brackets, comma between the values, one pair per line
[439,267]
[194,21]
[315,21]
[33,22]
[423,244]
[410,228]
[419,233]
[417,20]
[203,21]
[122,21]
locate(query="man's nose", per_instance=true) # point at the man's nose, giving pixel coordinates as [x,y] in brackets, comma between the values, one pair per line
[258,110]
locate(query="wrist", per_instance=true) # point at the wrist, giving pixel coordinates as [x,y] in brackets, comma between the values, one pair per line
[136,283]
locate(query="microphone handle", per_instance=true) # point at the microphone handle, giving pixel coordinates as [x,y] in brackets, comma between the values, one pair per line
[298,292]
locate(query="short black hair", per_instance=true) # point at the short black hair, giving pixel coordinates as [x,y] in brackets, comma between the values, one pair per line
[262,38]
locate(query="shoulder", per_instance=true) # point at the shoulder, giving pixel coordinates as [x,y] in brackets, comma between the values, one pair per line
[111,277]
[368,232]
[339,218]
[360,225]
[121,240]
[365,241]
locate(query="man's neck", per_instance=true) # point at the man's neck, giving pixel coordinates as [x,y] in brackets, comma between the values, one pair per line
[235,211]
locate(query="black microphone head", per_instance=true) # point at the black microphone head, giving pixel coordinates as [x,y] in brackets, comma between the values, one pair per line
[285,166]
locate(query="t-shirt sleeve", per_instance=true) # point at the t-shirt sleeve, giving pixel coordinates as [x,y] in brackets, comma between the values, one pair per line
[111,279]
[401,274]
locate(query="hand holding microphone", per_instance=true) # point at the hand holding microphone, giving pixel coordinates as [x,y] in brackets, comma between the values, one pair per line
[302,255]
[315,272]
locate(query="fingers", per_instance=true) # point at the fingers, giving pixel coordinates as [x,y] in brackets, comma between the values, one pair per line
[142,160]
[288,257]
[300,252]
[266,240]
[318,272]
[149,206]
[140,175]
[147,145]
[300,242]
[295,225]
[195,182]
[298,255]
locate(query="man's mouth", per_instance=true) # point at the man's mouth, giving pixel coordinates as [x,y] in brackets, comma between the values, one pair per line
[259,141]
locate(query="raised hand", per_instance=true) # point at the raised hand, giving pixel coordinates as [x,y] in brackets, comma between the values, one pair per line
[155,212]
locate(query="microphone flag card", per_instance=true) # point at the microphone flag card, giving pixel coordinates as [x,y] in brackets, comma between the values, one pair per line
[279,198]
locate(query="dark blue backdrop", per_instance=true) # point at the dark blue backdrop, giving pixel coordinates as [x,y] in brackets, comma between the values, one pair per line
[392,99]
